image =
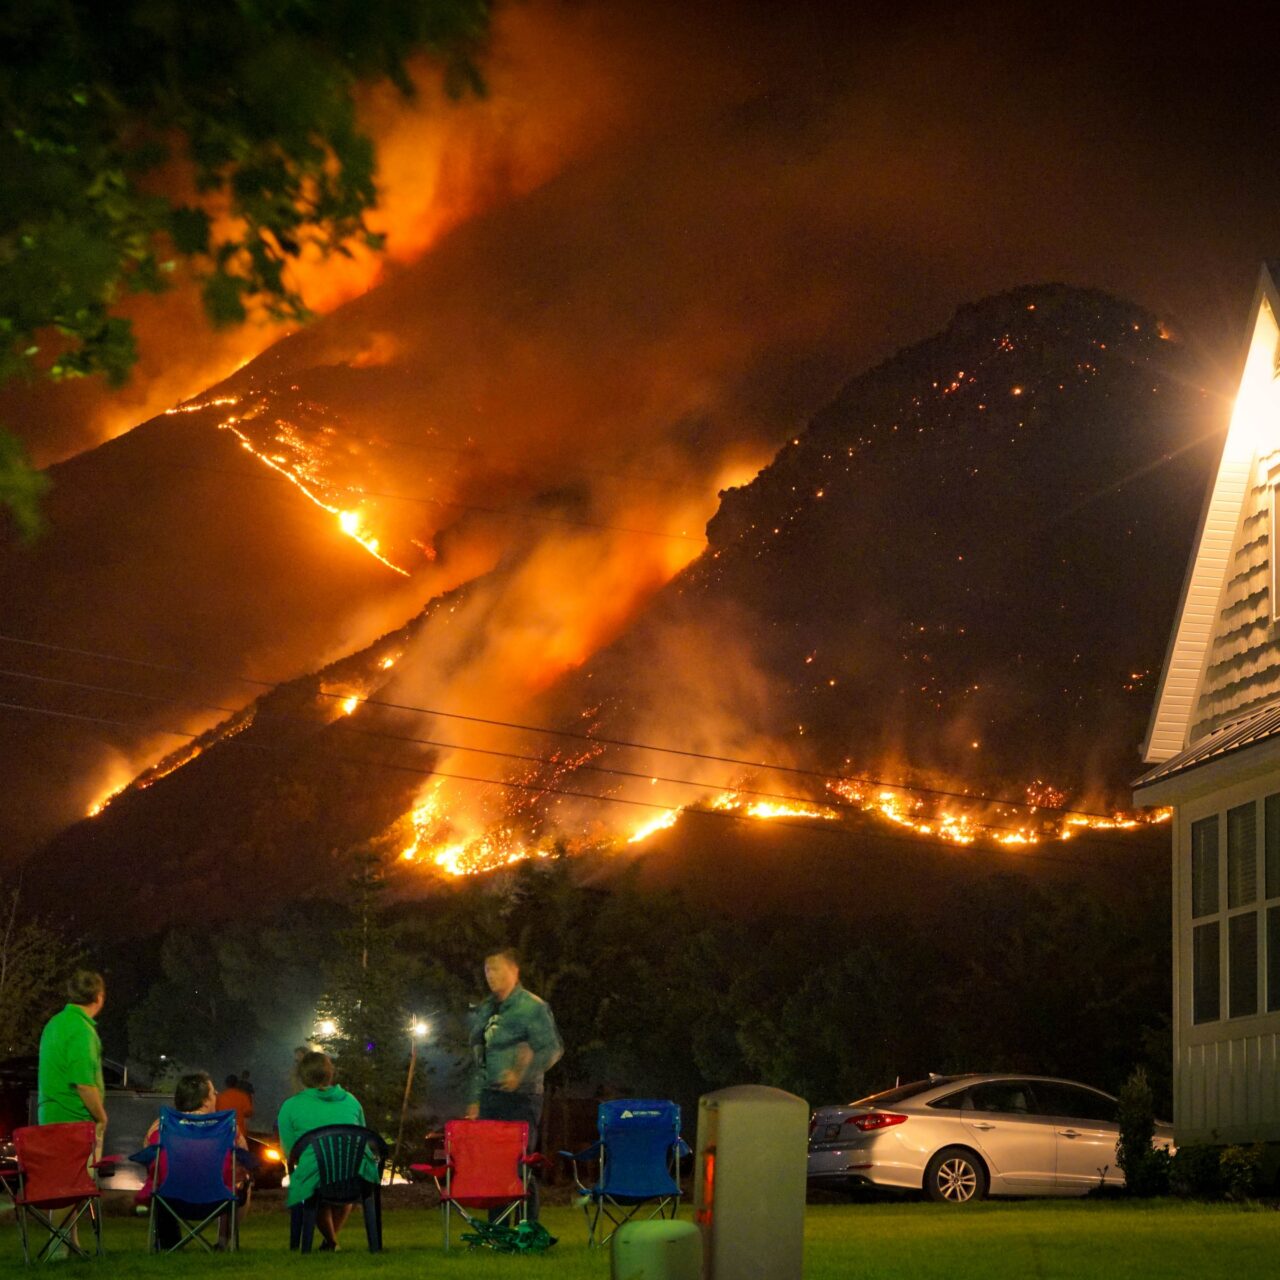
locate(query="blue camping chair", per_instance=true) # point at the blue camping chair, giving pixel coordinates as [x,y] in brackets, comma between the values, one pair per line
[639,1152]
[190,1185]
[339,1153]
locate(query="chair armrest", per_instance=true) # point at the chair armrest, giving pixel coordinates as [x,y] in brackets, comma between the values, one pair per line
[682,1148]
[534,1157]
[144,1157]
[435,1170]
[587,1153]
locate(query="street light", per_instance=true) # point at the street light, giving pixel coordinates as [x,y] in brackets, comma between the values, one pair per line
[419,1029]
[327,1028]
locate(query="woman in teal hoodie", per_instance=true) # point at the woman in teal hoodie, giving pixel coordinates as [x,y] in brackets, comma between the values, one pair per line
[320,1103]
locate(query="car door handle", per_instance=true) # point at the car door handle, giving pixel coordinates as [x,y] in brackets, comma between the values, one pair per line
[983,1125]
[1069,1133]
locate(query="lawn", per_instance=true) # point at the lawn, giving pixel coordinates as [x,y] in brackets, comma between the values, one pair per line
[889,1240]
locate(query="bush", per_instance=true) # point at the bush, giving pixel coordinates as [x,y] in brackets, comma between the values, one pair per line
[1240,1170]
[1145,1168]
[1197,1171]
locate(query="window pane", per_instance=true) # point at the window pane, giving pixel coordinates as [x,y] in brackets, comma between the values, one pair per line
[1273,959]
[1242,964]
[1204,867]
[1242,855]
[952,1102]
[1206,971]
[1073,1102]
[1272,836]
[1006,1096]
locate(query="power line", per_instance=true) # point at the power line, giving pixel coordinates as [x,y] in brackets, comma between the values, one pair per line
[828,802]
[629,744]
[913,841]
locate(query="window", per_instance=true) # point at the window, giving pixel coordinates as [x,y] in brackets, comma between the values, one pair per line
[1242,964]
[1073,1102]
[958,1101]
[1204,867]
[891,1097]
[1242,855]
[1273,959]
[1005,1096]
[1271,839]
[1206,973]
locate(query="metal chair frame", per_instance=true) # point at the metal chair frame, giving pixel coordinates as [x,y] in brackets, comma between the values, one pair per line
[598,1203]
[60,1233]
[188,1231]
[517,1210]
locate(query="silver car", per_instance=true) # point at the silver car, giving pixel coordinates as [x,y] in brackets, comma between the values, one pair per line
[961,1138]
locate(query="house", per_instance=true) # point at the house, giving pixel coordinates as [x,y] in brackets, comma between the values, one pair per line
[1214,748]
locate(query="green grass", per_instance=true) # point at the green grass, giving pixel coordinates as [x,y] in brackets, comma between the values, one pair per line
[1034,1238]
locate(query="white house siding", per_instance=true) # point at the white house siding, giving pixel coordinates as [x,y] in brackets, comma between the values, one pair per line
[1226,1072]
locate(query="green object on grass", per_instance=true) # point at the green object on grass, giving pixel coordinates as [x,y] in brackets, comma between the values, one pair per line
[528,1237]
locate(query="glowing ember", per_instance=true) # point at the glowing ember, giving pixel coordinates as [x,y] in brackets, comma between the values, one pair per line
[348,705]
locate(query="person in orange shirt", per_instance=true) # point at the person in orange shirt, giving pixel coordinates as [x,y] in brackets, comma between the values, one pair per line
[233,1097]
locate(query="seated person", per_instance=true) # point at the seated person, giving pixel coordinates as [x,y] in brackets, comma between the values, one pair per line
[195,1096]
[320,1103]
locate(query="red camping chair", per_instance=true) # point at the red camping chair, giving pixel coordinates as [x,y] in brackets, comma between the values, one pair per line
[53,1165]
[486,1166]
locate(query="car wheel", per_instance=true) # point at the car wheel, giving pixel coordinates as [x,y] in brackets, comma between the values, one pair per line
[955,1176]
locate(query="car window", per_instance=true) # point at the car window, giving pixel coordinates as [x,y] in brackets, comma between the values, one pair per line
[1073,1101]
[900,1093]
[1011,1097]
[957,1101]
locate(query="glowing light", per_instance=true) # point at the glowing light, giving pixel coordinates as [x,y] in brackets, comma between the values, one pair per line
[101,803]
[419,1029]
[348,521]
[661,823]
[327,1028]
[349,704]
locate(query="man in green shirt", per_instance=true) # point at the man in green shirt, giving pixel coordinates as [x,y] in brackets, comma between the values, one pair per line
[70,1079]
[514,1042]
[70,1086]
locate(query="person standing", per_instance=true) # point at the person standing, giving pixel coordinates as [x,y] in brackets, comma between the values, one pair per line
[69,1083]
[233,1096]
[514,1043]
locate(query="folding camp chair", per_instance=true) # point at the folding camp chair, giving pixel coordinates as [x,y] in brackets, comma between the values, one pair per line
[639,1152]
[486,1166]
[53,1170]
[339,1151]
[190,1187]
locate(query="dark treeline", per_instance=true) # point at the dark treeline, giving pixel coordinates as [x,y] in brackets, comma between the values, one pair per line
[655,996]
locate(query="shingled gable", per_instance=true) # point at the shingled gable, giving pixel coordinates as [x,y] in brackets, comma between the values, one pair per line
[1223,662]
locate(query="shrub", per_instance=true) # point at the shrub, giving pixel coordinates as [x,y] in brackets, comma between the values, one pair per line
[1240,1171]
[1146,1168]
[1197,1171]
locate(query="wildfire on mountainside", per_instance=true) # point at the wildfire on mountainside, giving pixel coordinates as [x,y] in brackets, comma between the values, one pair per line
[301,463]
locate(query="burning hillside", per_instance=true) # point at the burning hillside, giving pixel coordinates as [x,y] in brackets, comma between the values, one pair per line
[821,664]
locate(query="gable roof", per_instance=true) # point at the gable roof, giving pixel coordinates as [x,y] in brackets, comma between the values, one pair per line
[1254,431]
